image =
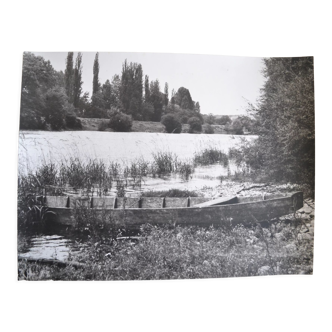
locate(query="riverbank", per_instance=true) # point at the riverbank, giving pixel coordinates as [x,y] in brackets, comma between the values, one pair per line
[95,124]
[280,247]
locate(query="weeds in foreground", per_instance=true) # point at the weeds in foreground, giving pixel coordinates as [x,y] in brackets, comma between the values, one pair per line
[185,253]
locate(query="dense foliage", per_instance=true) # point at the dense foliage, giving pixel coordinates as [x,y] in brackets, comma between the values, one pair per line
[126,93]
[120,121]
[195,125]
[208,129]
[285,148]
[171,124]
[95,82]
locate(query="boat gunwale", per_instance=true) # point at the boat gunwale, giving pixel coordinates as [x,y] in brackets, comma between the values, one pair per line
[181,208]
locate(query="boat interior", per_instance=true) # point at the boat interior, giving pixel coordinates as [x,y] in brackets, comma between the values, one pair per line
[149,202]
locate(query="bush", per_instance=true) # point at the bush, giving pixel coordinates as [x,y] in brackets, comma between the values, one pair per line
[208,129]
[120,122]
[195,125]
[72,122]
[56,106]
[102,126]
[184,119]
[224,120]
[171,123]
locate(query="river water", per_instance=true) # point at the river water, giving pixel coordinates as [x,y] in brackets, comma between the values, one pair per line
[38,147]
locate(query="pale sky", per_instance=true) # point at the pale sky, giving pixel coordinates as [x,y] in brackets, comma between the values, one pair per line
[221,84]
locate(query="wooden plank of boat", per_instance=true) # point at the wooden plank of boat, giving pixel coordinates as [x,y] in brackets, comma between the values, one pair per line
[217,201]
[245,212]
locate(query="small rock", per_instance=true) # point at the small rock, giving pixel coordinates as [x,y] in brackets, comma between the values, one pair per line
[291,246]
[305,236]
[305,217]
[264,270]
[279,236]
[307,209]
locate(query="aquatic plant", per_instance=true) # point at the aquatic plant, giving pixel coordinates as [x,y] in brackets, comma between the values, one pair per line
[210,156]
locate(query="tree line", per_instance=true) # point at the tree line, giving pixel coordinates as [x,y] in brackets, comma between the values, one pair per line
[54,99]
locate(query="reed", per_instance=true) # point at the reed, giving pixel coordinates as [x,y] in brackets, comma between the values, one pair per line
[210,156]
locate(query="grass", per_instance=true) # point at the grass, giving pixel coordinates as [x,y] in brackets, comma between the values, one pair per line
[186,253]
[210,156]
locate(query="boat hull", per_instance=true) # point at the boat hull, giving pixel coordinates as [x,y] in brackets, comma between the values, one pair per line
[133,218]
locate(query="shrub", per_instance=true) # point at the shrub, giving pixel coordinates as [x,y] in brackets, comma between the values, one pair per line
[72,121]
[171,123]
[102,126]
[120,122]
[208,129]
[224,120]
[184,119]
[195,125]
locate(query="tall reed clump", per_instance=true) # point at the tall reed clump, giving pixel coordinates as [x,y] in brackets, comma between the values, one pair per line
[164,163]
[210,156]
[185,169]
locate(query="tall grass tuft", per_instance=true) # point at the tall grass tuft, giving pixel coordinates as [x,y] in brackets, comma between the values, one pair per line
[210,156]
[164,163]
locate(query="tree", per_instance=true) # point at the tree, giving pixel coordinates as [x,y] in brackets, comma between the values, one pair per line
[95,83]
[197,107]
[208,129]
[171,124]
[84,103]
[286,141]
[147,111]
[107,94]
[137,98]
[97,107]
[131,91]
[236,127]
[69,76]
[223,120]
[115,92]
[183,99]
[173,97]
[77,86]
[166,94]
[195,125]
[56,107]
[210,119]
[38,76]
[146,89]
[156,100]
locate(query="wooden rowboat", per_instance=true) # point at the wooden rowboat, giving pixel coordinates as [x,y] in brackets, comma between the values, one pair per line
[131,213]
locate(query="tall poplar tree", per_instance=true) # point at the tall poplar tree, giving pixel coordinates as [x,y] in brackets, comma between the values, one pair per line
[166,94]
[77,86]
[69,76]
[147,93]
[95,83]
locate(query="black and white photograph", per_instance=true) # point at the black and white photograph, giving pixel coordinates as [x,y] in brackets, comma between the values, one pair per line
[157,166]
